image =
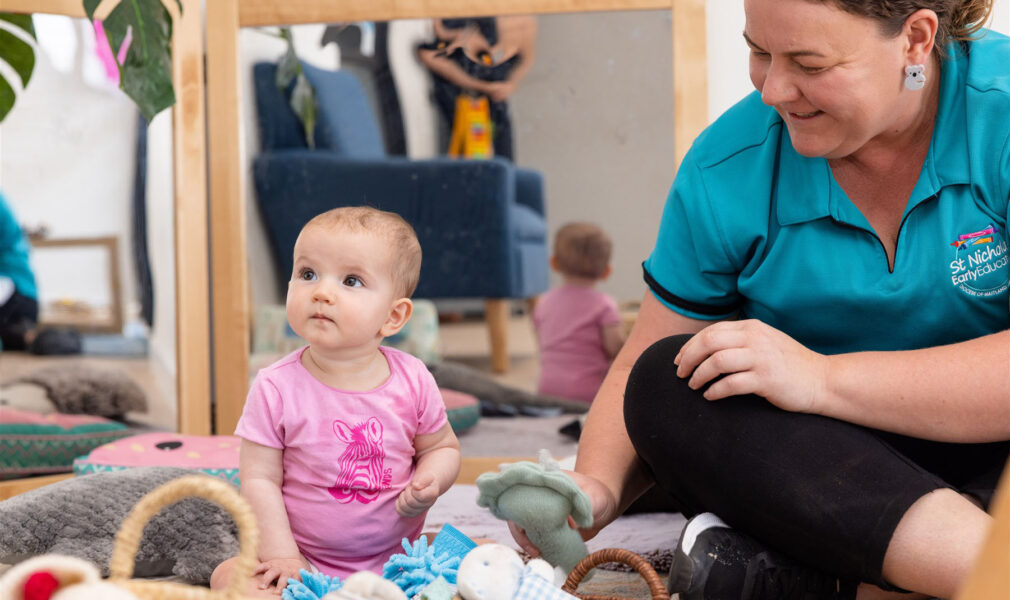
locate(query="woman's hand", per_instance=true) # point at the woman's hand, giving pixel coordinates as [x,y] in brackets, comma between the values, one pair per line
[499,91]
[273,574]
[603,504]
[754,358]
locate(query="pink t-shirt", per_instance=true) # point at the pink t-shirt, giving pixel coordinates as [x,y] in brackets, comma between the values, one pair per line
[569,321]
[347,456]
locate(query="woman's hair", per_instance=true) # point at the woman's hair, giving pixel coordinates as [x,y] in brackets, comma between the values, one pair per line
[582,250]
[959,19]
[388,225]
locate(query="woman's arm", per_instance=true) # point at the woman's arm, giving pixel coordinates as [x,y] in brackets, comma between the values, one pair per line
[438,62]
[526,48]
[609,468]
[954,393]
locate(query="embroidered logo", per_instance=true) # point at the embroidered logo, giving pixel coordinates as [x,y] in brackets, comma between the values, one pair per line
[361,474]
[979,267]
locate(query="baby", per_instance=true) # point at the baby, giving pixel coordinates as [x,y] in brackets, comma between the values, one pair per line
[345,443]
[578,327]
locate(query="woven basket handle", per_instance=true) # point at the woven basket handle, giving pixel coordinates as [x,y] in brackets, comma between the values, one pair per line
[617,555]
[132,530]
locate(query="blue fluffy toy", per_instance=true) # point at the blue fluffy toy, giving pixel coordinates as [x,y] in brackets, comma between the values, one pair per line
[420,566]
[312,586]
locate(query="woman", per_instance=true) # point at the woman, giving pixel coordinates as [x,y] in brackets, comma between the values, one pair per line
[487,57]
[844,228]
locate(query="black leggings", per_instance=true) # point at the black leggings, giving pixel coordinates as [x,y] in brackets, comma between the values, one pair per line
[825,492]
[17,316]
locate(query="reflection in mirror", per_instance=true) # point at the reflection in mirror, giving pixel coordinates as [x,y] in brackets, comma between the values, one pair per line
[591,116]
[90,186]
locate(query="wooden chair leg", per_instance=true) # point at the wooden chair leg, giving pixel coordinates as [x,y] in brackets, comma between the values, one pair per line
[496,313]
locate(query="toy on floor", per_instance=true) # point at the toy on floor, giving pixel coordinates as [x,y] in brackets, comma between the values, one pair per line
[495,572]
[55,577]
[420,566]
[311,587]
[539,498]
[365,585]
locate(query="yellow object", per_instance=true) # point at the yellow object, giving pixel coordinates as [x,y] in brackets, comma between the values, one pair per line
[471,128]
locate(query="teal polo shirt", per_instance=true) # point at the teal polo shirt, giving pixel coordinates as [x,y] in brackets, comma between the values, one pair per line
[14,252]
[752,228]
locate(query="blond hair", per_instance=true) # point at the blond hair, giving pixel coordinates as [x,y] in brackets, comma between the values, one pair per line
[582,250]
[389,225]
[958,19]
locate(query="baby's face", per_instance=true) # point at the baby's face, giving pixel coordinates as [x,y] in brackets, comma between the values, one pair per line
[341,290]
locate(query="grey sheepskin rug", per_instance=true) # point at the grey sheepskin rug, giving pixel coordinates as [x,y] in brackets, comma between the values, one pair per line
[83,389]
[81,516]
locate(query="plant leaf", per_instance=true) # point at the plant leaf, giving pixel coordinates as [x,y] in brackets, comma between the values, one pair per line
[19,54]
[303,102]
[146,74]
[287,68]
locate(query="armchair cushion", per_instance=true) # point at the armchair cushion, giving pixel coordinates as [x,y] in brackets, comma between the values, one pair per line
[480,222]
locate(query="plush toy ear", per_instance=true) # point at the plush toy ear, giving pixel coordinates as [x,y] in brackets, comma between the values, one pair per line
[40,585]
[41,577]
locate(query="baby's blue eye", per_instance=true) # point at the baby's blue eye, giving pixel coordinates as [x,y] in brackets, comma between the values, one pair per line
[307,274]
[352,281]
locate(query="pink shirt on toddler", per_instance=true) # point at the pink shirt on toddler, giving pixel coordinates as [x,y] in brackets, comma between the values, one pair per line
[347,456]
[569,320]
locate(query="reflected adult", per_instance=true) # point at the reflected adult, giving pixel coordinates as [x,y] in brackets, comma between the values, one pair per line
[19,307]
[818,374]
[482,56]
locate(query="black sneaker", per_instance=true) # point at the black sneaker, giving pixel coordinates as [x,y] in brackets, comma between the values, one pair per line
[715,562]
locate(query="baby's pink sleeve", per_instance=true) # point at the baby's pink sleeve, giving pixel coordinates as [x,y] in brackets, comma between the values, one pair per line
[430,407]
[262,419]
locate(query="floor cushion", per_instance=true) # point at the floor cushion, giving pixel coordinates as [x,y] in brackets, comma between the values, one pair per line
[462,409]
[35,444]
[215,455]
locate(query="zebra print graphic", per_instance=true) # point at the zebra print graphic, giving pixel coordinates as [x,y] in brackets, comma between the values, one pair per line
[361,474]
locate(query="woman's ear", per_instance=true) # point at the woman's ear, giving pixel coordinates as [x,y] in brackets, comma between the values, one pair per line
[920,35]
[606,272]
[399,314]
[554,264]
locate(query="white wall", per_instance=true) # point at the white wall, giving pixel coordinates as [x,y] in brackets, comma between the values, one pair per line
[67,158]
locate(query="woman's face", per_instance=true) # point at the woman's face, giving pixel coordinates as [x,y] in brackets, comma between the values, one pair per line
[836,81]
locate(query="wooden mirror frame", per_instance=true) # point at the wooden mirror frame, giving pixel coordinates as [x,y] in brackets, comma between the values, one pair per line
[192,318]
[230,291]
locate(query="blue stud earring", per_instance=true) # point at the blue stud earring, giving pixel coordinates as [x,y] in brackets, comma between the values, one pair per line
[914,77]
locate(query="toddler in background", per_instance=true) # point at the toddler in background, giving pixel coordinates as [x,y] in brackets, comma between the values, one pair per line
[578,327]
[345,443]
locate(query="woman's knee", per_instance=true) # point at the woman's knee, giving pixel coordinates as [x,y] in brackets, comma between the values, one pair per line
[655,395]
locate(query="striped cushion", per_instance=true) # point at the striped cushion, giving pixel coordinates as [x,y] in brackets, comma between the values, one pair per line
[36,444]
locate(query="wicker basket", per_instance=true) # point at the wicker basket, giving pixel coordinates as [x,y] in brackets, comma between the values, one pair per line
[132,530]
[618,555]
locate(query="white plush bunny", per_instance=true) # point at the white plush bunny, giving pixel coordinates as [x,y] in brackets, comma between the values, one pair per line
[365,585]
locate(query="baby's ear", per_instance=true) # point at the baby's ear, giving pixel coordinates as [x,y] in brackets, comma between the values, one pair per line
[399,314]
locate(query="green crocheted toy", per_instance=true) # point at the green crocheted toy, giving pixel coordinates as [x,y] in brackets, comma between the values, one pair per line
[539,498]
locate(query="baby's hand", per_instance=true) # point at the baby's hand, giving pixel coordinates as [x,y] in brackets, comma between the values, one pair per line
[273,574]
[418,496]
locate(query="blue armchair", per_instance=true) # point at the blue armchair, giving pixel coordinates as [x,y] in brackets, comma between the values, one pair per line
[481,223]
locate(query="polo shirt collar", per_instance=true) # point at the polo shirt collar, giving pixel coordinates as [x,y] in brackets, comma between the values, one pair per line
[807,191]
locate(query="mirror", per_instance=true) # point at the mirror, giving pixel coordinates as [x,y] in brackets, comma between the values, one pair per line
[91,183]
[592,116]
